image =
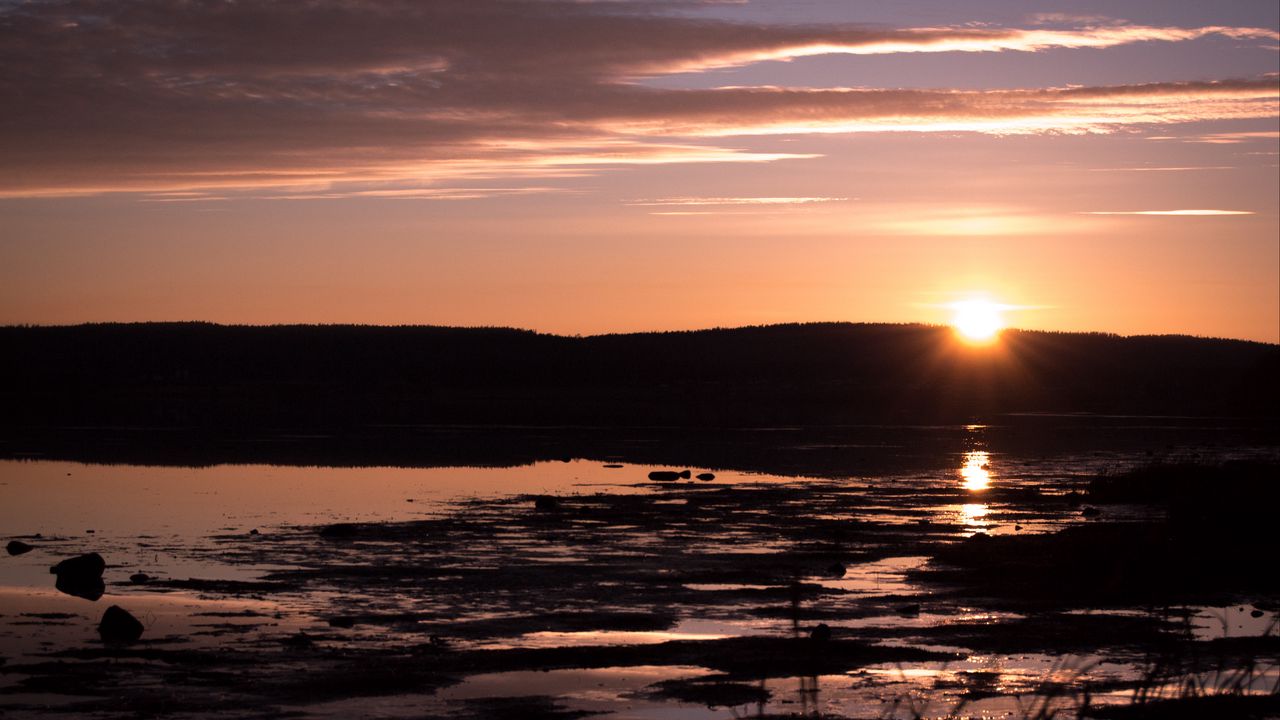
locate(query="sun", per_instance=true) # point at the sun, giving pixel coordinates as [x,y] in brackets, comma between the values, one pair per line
[977,321]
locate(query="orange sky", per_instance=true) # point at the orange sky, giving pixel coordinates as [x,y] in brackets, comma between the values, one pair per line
[585,168]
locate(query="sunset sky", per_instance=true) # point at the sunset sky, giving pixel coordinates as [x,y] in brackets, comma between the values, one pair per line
[587,167]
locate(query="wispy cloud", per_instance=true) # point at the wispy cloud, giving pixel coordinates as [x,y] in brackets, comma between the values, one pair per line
[737,201]
[1235,137]
[1174,168]
[967,39]
[1169,212]
[187,95]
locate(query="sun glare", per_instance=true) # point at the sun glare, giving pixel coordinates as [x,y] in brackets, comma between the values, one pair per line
[976,471]
[977,320]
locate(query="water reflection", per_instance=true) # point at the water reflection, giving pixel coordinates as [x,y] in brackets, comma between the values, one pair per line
[973,515]
[976,472]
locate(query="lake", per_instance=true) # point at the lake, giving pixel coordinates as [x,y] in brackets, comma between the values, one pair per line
[274,587]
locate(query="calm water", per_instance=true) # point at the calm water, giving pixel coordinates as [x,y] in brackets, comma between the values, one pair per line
[179,523]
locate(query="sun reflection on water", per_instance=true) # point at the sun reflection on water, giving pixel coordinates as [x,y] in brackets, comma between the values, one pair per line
[976,471]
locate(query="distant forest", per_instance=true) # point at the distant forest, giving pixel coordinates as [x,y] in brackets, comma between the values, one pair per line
[205,376]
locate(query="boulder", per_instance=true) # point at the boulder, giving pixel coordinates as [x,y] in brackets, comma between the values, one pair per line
[836,570]
[139,578]
[81,576]
[546,503]
[669,475]
[17,547]
[821,633]
[118,627]
[707,477]
[339,531]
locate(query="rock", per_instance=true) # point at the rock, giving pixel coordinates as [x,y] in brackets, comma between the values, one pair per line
[342,621]
[821,633]
[911,610]
[299,640]
[338,531]
[254,532]
[923,521]
[17,547]
[139,578]
[664,476]
[118,627]
[81,576]
[1090,511]
[546,503]
[613,466]
[1256,614]
[707,477]
[836,570]
[686,474]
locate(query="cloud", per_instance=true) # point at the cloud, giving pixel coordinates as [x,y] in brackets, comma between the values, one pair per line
[1173,168]
[340,96]
[969,39]
[1169,212]
[736,201]
[1233,138]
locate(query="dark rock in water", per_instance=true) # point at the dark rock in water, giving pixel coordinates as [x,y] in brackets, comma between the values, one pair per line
[299,641]
[342,621]
[254,532]
[1073,498]
[911,610]
[686,474]
[339,531]
[707,477]
[1090,511]
[664,475]
[978,538]
[17,547]
[1256,614]
[81,576]
[89,588]
[139,578]
[118,627]
[923,521]
[836,570]
[613,466]
[546,503]
[821,633]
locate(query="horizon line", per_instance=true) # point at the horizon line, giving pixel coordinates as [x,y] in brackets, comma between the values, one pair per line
[584,336]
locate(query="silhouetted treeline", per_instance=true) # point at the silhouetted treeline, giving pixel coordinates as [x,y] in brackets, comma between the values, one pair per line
[196,375]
